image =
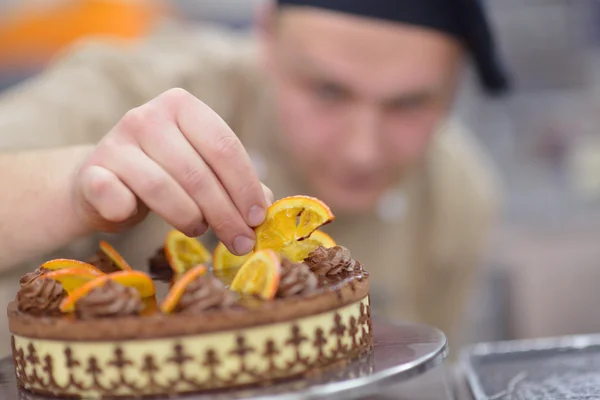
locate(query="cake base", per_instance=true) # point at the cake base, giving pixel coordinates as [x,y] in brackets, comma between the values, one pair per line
[401,351]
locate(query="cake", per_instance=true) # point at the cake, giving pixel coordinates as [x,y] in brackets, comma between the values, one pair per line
[95,329]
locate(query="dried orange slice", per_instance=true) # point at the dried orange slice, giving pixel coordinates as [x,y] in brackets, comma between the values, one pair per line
[114,255]
[168,305]
[224,260]
[64,263]
[73,278]
[136,279]
[299,250]
[150,306]
[259,275]
[289,220]
[184,253]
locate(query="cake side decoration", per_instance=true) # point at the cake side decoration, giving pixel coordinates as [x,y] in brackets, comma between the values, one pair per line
[294,351]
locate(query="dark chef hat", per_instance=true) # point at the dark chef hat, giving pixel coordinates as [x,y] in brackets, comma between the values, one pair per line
[463,19]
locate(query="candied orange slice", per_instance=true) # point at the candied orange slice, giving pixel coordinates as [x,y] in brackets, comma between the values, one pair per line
[73,278]
[114,255]
[290,220]
[150,306]
[224,260]
[300,249]
[64,263]
[136,279]
[168,305]
[259,275]
[184,253]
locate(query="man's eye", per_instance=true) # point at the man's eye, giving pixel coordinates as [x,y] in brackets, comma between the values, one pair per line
[329,92]
[409,104]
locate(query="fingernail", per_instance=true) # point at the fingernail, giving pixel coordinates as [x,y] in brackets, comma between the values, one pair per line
[269,199]
[256,216]
[201,229]
[243,245]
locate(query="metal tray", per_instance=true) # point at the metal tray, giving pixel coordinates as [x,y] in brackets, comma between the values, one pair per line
[565,368]
[401,351]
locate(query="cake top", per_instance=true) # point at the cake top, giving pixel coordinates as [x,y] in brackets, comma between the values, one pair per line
[292,258]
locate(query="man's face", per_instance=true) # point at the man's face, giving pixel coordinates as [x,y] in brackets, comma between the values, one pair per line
[358,99]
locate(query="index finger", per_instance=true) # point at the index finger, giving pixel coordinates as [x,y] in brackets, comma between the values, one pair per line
[222,150]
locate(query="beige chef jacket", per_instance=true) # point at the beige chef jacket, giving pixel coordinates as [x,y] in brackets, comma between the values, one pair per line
[422,243]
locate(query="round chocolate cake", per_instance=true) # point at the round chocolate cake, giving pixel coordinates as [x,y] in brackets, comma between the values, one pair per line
[114,342]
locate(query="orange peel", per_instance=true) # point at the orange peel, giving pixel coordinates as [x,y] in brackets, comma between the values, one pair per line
[114,255]
[66,263]
[170,302]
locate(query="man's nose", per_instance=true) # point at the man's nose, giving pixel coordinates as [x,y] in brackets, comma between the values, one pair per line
[362,142]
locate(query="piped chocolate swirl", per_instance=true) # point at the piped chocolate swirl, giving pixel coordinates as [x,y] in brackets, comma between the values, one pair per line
[296,279]
[109,300]
[330,262]
[40,296]
[205,293]
[31,276]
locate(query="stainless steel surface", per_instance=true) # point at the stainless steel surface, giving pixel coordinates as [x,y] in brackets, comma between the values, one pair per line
[534,369]
[401,351]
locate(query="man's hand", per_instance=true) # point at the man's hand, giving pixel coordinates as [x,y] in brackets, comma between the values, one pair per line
[176,157]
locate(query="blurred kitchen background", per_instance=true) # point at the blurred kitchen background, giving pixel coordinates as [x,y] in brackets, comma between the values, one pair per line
[542,275]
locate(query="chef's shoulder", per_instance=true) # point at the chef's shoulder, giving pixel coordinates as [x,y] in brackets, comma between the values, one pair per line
[90,85]
[467,189]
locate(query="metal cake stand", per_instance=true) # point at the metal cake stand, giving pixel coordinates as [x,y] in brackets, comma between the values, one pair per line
[401,351]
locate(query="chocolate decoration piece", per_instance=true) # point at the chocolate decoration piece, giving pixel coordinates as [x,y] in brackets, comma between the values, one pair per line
[41,296]
[109,300]
[103,262]
[204,293]
[159,266]
[333,261]
[31,276]
[296,279]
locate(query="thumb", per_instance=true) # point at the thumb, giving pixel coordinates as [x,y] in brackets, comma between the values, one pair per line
[105,202]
